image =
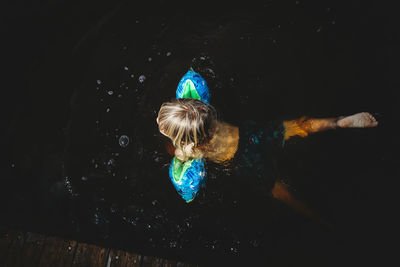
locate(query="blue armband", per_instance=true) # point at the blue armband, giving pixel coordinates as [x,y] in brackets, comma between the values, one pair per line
[187,177]
[192,85]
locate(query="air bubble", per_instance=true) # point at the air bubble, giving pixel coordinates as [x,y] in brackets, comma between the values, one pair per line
[124,141]
[142,78]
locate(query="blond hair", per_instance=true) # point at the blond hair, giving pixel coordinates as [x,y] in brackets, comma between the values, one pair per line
[189,123]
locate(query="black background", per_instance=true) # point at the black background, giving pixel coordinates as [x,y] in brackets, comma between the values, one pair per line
[271,60]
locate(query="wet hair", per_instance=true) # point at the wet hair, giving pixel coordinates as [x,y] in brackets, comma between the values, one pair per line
[188,122]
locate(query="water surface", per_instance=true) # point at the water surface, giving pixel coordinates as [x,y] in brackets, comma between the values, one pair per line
[85,159]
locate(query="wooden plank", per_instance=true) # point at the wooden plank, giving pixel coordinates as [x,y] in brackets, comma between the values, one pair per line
[6,240]
[14,254]
[169,263]
[57,252]
[123,258]
[32,250]
[90,256]
[19,249]
[185,264]
[149,261]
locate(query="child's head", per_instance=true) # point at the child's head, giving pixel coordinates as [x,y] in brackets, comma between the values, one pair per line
[187,121]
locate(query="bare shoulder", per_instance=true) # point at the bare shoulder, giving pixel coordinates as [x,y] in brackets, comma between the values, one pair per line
[224,143]
[223,126]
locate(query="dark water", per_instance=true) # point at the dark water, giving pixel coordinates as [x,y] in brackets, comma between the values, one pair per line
[80,76]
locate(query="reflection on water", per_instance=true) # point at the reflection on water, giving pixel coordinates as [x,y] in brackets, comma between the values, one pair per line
[104,176]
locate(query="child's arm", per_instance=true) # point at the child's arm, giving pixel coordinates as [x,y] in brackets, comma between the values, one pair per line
[189,153]
[180,155]
[304,126]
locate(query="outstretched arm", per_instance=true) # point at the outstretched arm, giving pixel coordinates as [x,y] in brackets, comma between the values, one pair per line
[305,126]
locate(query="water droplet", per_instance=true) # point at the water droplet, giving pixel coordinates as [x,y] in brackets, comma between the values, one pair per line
[98,81]
[126,68]
[116,257]
[108,110]
[168,54]
[12,165]
[132,75]
[124,141]
[149,59]
[110,92]
[142,78]
[172,244]
[319,28]
[254,243]
[84,178]
[119,96]
[69,248]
